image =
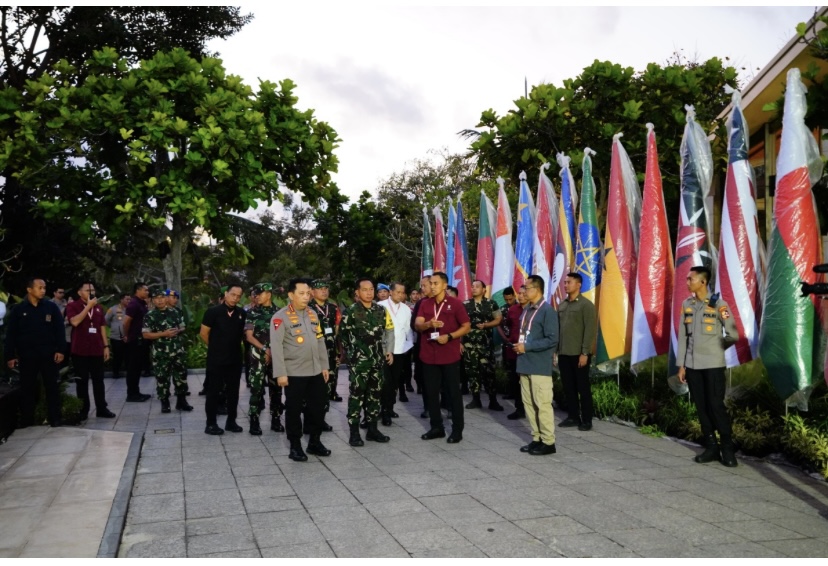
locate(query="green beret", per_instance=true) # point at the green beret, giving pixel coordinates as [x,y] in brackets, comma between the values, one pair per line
[261,288]
[319,284]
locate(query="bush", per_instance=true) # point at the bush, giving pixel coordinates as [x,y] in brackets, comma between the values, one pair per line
[806,446]
[70,405]
[756,432]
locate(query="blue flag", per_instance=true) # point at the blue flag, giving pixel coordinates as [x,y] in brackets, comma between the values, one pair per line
[525,243]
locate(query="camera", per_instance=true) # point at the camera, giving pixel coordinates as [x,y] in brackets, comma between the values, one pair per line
[91,294]
[815,288]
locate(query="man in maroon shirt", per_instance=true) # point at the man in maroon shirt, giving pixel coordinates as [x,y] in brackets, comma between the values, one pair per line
[89,348]
[513,324]
[136,346]
[441,321]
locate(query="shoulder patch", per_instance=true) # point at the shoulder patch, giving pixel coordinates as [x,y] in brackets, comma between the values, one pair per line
[277,322]
[724,312]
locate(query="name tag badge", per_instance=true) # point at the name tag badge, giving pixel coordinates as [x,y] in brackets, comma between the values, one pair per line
[328,331]
[435,335]
[521,339]
[93,330]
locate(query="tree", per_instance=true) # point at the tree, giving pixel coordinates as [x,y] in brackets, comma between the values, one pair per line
[157,150]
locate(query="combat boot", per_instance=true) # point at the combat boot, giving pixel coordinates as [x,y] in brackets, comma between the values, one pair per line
[165,405]
[296,452]
[182,405]
[493,404]
[374,433]
[356,439]
[276,424]
[386,419]
[711,452]
[475,403]
[316,447]
[255,427]
[728,455]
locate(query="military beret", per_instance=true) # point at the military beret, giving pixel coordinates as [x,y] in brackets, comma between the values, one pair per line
[261,288]
[383,287]
[158,292]
[171,293]
[320,284]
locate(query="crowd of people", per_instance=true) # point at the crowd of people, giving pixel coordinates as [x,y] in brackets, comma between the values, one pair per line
[387,337]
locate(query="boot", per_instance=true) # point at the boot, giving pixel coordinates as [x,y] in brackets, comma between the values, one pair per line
[475,403]
[276,424]
[386,419]
[710,453]
[316,447]
[374,433]
[165,405]
[296,452]
[364,424]
[728,455]
[255,427]
[493,404]
[182,405]
[356,439]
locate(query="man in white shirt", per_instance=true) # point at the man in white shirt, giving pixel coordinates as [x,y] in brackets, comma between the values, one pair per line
[403,342]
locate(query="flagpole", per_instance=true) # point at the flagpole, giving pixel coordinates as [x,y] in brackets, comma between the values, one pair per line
[652,374]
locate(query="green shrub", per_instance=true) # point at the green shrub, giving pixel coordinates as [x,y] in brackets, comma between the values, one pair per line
[678,417]
[807,446]
[70,405]
[755,431]
[651,430]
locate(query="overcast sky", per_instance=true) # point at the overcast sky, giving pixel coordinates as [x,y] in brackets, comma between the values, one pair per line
[395,82]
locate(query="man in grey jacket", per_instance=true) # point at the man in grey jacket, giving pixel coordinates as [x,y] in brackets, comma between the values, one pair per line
[300,366]
[536,343]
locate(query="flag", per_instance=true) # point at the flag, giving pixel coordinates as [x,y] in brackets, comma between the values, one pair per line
[615,309]
[450,236]
[546,234]
[427,265]
[588,242]
[504,258]
[486,235]
[791,335]
[462,273]
[741,254]
[525,243]
[654,279]
[439,241]
[694,246]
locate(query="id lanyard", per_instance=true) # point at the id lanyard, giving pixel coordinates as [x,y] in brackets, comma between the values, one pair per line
[436,333]
[524,333]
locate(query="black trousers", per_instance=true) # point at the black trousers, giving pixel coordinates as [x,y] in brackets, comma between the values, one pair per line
[418,368]
[119,358]
[394,381]
[707,389]
[576,388]
[444,378]
[514,382]
[136,356]
[308,393]
[86,368]
[224,378]
[47,369]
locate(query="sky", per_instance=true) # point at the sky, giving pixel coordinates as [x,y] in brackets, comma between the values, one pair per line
[397,82]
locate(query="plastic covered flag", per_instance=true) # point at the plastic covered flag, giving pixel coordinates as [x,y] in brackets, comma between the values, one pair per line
[462,273]
[427,265]
[484,266]
[567,226]
[439,242]
[504,266]
[546,234]
[450,235]
[588,244]
[741,253]
[620,258]
[694,246]
[655,274]
[525,243]
[791,337]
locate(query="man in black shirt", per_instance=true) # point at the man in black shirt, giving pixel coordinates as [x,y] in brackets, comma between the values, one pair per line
[223,331]
[35,344]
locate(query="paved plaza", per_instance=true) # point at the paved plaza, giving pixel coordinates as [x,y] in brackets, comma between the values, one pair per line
[609,492]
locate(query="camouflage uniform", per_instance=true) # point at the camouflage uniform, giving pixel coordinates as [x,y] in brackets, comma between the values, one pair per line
[367,334]
[478,353]
[168,356]
[329,318]
[261,375]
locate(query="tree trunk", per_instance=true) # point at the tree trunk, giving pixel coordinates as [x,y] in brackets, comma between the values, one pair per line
[173,261]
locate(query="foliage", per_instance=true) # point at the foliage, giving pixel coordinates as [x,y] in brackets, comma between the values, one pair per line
[755,431]
[70,405]
[651,430]
[609,401]
[808,445]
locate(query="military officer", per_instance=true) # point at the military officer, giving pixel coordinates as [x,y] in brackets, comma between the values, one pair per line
[330,317]
[257,335]
[172,296]
[164,327]
[300,364]
[478,346]
[367,334]
[708,329]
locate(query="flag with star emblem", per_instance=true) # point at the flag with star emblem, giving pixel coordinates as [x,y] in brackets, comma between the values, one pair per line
[588,241]
[525,243]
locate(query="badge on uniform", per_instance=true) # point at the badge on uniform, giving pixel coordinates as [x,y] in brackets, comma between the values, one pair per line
[277,322]
[688,310]
[521,338]
[48,318]
[300,339]
[724,312]
[328,331]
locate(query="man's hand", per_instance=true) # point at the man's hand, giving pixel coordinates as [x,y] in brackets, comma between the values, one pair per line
[92,302]
[11,363]
[442,339]
[170,333]
[325,375]
[462,348]
[555,359]
[389,357]
[681,376]
[268,359]
[58,357]
[436,323]
[520,348]
[106,354]
[282,381]
[481,326]
[582,360]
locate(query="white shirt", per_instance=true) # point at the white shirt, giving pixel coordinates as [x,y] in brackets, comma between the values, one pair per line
[401,316]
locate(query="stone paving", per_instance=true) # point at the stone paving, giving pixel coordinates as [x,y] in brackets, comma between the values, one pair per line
[610,492]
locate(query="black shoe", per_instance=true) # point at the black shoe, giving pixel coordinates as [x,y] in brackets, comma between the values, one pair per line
[374,434]
[276,425]
[711,452]
[567,422]
[475,402]
[213,429]
[394,415]
[386,420]
[221,410]
[494,405]
[105,414]
[409,389]
[424,414]
[508,397]
[518,414]
[326,427]
[316,447]
[165,405]
[140,398]
[543,449]
[356,439]
[297,454]
[255,427]
[585,426]
[531,446]
[434,433]
[231,426]
[187,394]
[728,455]
[336,398]
[403,397]
[182,405]
[203,392]
[454,438]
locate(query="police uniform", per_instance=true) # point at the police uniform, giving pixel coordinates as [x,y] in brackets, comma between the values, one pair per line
[478,353]
[168,355]
[330,318]
[297,347]
[367,334]
[261,374]
[707,330]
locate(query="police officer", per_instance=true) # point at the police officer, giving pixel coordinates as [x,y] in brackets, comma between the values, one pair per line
[164,328]
[367,334]
[300,364]
[330,317]
[257,334]
[706,332]
[478,346]
[35,343]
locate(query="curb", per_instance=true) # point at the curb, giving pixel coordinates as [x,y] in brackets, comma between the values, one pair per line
[111,540]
